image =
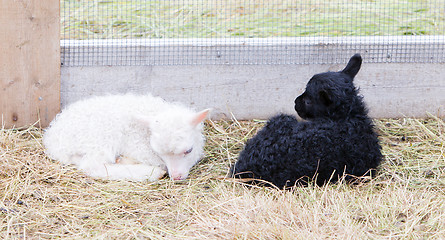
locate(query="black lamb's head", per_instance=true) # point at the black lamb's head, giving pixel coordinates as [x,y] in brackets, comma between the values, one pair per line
[332,94]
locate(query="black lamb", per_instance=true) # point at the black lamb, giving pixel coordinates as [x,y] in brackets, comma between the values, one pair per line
[338,138]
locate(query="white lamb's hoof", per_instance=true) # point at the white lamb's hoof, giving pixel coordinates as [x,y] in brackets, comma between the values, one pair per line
[156,174]
[140,172]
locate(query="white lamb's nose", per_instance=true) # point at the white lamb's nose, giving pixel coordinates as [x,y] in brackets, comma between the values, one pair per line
[178,177]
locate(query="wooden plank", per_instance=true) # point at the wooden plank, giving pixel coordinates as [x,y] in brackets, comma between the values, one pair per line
[29,62]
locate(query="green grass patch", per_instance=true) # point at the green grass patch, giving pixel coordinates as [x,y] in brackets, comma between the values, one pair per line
[106,19]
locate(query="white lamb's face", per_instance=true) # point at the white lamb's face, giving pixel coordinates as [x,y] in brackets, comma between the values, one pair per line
[180,149]
[178,141]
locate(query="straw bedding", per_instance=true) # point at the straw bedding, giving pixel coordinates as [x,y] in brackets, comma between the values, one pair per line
[39,198]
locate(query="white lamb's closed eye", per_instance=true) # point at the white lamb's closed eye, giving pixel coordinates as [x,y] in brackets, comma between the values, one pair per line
[188,151]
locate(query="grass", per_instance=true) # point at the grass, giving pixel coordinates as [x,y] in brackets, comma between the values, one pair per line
[39,198]
[104,19]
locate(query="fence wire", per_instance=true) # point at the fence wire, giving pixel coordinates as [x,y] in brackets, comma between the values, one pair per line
[189,32]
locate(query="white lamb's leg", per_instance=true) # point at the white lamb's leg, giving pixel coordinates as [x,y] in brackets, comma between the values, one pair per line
[136,172]
[113,171]
[136,169]
[104,164]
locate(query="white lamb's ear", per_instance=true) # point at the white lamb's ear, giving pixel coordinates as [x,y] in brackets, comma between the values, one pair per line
[199,117]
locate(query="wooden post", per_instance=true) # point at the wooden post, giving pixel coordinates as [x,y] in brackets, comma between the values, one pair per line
[29,62]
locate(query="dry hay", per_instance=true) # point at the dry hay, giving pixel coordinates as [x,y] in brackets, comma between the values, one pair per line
[41,199]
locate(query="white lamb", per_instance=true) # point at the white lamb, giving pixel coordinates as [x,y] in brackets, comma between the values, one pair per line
[130,137]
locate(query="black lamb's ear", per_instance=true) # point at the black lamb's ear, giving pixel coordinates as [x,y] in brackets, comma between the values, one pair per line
[325,98]
[353,66]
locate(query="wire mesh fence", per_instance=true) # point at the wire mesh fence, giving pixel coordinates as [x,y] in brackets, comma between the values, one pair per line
[184,32]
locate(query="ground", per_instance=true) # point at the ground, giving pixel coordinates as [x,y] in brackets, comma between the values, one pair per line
[41,199]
